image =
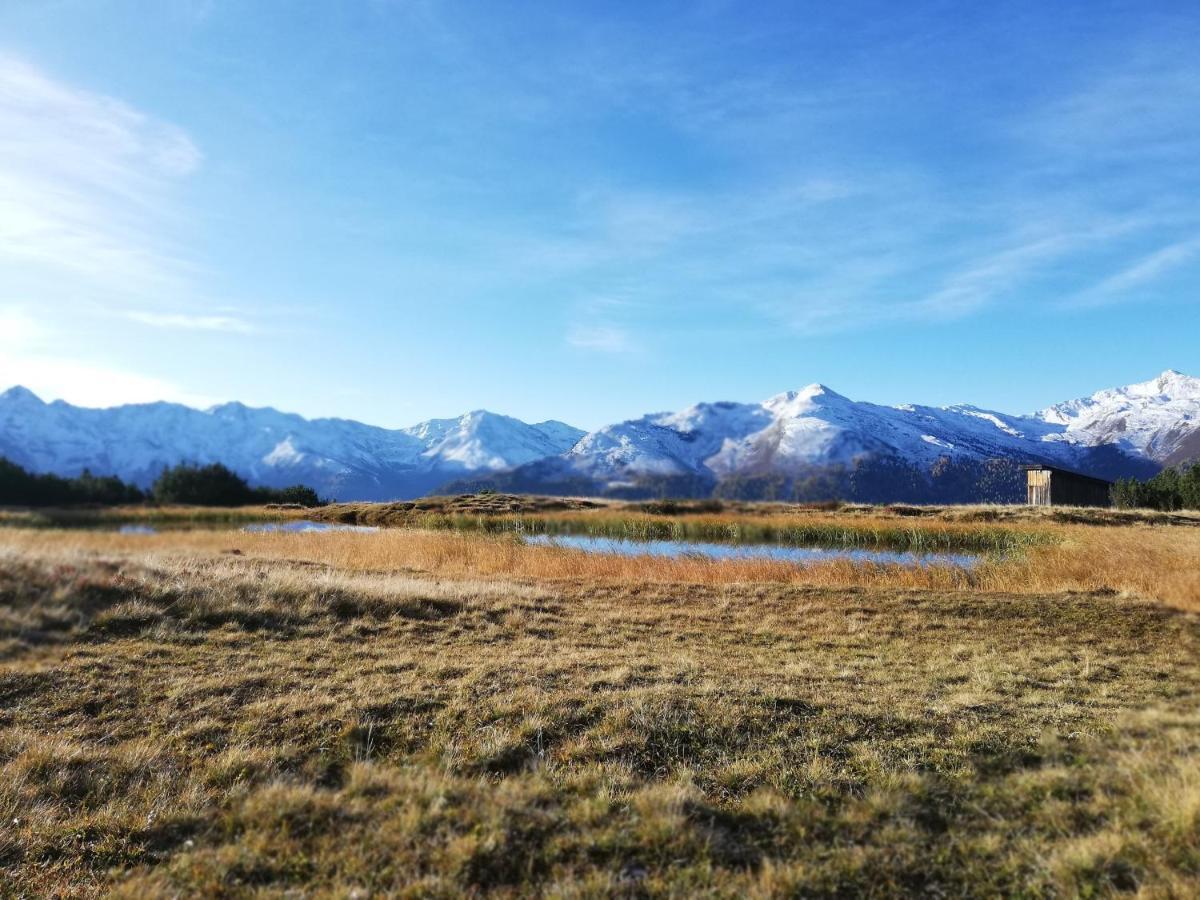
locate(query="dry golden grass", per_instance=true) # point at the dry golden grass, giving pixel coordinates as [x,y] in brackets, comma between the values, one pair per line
[438,714]
[1160,564]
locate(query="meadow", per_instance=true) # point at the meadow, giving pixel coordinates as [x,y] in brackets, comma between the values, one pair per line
[438,709]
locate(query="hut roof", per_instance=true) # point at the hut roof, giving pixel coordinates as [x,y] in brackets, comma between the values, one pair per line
[1041,467]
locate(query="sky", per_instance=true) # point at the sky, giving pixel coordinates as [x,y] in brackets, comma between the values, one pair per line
[392,210]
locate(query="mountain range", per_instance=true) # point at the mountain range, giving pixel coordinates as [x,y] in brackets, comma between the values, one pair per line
[808,444]
[338,457]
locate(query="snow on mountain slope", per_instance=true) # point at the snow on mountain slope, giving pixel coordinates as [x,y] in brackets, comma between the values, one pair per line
[1115,432]
[813,426]
[1155,418]
[666,443]
[816,426]
[819,426]
[338,457]
[487,441]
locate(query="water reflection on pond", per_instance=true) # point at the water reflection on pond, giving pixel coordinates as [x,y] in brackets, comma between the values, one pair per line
[295,527]
[299,527]
[777,552]
[681,549]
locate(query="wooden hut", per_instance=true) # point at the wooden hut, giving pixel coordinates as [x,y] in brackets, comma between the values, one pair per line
[1049,486]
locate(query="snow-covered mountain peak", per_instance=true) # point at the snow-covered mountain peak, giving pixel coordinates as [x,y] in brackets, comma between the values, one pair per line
[234,411]
[798,431]
[228,406]
[797,403]
[816,389]
[486,440]
[337,457]
[1169,387]
[1113,433]
[703,415]
[1170,384]
[560,432]
[1154,417]
[20,394]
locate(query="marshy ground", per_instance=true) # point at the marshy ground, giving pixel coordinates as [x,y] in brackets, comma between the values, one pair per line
[439,713]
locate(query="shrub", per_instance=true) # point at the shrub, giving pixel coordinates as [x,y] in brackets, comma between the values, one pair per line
[298,493]
[218,485]
[192,485]
[211,485]
[19,487]
[1169,490]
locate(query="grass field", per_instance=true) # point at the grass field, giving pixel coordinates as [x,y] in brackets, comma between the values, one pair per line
[434,713]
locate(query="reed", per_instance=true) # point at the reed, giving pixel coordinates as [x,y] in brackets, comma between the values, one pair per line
[824,532]
[1154,564]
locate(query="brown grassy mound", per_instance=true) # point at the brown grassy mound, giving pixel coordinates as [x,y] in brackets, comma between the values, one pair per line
[484,504]
[404,512]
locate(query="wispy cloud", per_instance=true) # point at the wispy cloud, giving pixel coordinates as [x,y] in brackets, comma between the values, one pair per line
[753,174]
[824,240]
[601,338]
[84,182]
[90,223]
[1004,274]
[1139,108]
[1154,265]
[183,322]
[976,286]
[1139,274]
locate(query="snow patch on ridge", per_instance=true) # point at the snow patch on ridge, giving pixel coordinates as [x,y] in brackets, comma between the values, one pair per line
[284,454]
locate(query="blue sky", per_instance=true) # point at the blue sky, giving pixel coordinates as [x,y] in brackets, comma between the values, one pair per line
[396,210]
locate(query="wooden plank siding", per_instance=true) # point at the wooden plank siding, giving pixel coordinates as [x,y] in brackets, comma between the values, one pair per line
[1048,486]
[1038,487]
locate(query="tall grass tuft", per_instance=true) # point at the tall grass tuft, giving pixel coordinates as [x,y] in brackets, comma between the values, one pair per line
[926,537]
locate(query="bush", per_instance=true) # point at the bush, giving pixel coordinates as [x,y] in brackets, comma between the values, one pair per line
[211,485]
[19,487]
[299,494]
[1169,490]
[218,485]
[192,485]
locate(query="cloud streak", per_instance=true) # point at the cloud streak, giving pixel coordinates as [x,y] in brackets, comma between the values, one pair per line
[601,338]
[88,207]
[84,182]
[1144,271]
[179,321]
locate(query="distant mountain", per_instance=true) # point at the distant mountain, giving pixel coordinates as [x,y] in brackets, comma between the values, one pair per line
[816,443]
[337,457]
[1158,419]
[808,444]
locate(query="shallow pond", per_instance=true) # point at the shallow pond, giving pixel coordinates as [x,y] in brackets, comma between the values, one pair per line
[295,527]
[300,527]
[671,549]
[778,552]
